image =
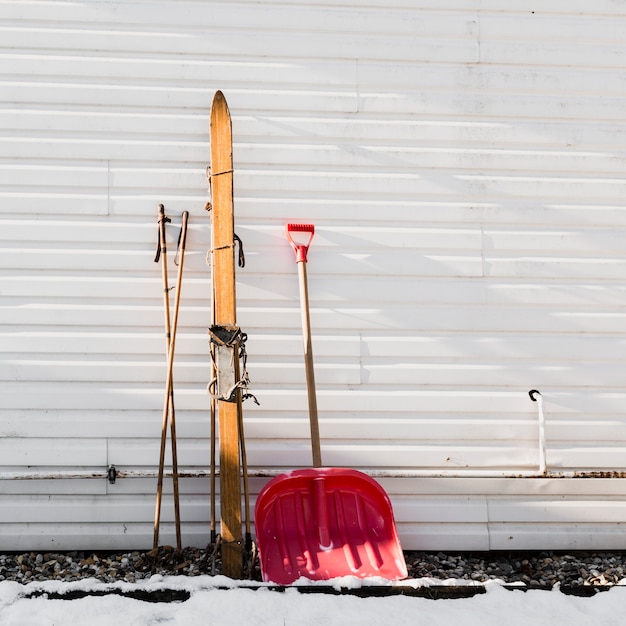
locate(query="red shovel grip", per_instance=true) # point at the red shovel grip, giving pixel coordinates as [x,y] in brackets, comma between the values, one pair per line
[299,248]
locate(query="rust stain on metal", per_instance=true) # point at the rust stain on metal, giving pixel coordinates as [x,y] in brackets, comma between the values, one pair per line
[271,472]
[601,474]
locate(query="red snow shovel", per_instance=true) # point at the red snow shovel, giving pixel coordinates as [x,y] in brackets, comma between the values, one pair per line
[323,523]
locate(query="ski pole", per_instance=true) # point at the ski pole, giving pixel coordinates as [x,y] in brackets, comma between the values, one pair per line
[213,406]
[182,242]
[536,396]
[168,404]
[162,253]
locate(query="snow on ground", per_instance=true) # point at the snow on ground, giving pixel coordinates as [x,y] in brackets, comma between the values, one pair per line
[237,606]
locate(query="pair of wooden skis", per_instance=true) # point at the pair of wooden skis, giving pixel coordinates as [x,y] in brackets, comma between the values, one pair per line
[227,407]
[225,347]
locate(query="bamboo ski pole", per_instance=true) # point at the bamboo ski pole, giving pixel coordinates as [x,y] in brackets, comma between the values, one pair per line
[244,467]
[162,254]
[168,403]
[213,406]
[213,420]
[179,283]
[213,467]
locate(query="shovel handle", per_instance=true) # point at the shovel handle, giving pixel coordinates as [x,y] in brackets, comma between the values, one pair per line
[299,248]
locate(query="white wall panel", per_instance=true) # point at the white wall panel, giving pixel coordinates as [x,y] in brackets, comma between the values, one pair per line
[462,162]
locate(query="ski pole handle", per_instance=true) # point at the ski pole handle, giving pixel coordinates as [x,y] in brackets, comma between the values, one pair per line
[299,248]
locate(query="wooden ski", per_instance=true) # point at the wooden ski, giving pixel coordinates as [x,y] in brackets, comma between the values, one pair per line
[220,177]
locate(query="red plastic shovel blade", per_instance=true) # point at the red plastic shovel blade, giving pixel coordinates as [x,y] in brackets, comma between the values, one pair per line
[326,523]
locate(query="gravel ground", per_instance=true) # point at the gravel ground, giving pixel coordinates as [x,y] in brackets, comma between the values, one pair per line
[533,569]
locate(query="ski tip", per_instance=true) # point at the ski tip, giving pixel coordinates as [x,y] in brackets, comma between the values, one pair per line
[219,99]
[219,108]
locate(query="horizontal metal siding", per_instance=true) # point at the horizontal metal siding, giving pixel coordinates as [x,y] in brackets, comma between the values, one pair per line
[462,164]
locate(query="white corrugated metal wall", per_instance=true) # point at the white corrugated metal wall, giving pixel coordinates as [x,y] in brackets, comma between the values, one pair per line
[462,162]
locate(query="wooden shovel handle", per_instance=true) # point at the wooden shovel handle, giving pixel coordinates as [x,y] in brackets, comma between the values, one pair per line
[308,363]
[301,250]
